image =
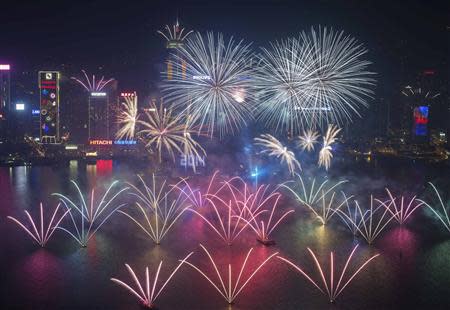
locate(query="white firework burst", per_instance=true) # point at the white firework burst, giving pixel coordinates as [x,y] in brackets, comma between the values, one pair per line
[273,147]
[280,77]
[164,131]
[211,82]
[308,139]
[315,79]
[128,118]
[325,154]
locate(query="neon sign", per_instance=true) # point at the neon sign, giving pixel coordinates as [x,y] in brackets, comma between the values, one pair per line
[128,94]
[100,142]
[5,67]
[35,112]
[111,142]
[98,94]
[125,142]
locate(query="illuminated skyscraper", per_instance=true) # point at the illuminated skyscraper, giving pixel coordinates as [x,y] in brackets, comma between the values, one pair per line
[5,91]
[175,37]
[98,126]
[49,106]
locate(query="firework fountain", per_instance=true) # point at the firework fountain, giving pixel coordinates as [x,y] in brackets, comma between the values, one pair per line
[158,209]
[442,214]
[400,209]
[372,221]
[319,200]
[90,211]
[229,291]
[330,287]
[41,235]
[148,296]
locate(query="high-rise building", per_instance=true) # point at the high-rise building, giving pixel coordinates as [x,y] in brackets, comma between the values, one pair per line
[5,90]
[98,126]
[175,37]
[49,106]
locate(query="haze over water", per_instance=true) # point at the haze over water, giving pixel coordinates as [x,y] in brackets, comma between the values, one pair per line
[412,272]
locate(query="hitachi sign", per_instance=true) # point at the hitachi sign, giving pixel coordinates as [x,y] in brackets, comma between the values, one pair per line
[100,142]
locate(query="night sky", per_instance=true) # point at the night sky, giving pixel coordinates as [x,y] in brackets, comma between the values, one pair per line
[121,36]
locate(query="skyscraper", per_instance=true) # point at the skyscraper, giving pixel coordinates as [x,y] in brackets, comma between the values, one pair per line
[98,126]
[49,106]
[175,37]
[5,90]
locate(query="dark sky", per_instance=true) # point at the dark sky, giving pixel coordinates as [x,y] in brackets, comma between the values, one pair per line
[121,36]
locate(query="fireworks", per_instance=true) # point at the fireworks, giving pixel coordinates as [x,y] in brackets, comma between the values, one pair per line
[90,212]
[317,78]
[226,222]
[263,228]
[230,292]
[442,214]
[308,139]
[325,154]
[211,83]
[274,148]
[149,296]
[42,235]
[162,130]
[92,85]
[319,200]
[174,33]
[339,81]
[372,221]
[160,215]
[281,77]
[330,288]
[401,210]
[128,118]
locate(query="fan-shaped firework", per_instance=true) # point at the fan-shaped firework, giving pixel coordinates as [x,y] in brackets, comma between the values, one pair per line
[128,118]
[274,148]
[317,78]
[331,288]
[94,85]
[211,82]
[325,154]
[307,140]
[163,130]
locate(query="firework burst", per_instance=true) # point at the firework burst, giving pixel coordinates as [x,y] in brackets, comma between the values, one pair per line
[325,154]
[164,131]
[275,148]
[211,83]
[339,82]
[307,140]
[317,78]
[128,118]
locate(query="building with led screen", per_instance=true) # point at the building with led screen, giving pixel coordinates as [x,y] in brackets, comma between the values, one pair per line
[49,106]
